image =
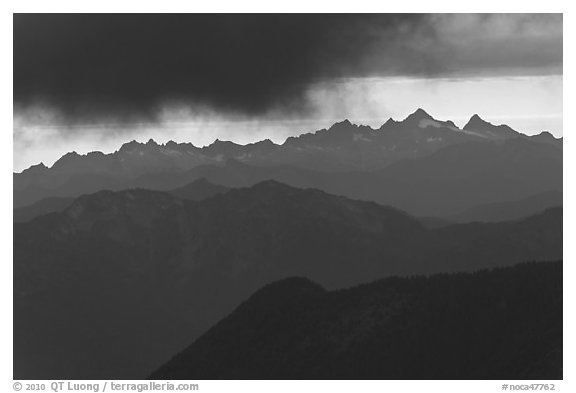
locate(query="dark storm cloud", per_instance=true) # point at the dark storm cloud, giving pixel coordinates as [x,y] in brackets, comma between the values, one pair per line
[123,65]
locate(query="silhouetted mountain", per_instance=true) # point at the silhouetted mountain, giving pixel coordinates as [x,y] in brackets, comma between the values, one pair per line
[443,183]
[45,206]
[130,277]
[344,147]
[447,326]
[419,115]
[510,210]
[480,127]
[451,180]
[546,137]
[363,148]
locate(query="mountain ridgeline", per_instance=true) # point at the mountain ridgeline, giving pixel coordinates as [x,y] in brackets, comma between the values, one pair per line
[122,260]
[382,165]
[164,269]
[447,326]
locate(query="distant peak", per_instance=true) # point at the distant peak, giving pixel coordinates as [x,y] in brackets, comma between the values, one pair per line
[546,134]
[38,168]
[344,124]
[475,121]
[419,114]
[221,142]
[151,142]
[129,145]
[264,142]
[66,157]
[390,122]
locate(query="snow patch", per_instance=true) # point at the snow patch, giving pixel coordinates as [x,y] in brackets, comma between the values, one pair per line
[360,137]
[425,123]
[244,157]
[170,152]
[468,132]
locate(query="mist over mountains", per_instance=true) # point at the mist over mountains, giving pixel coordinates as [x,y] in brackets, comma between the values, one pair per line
[122,260]
[136,255]
[381,165]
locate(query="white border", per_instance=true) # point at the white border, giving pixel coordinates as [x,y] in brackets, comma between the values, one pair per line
[297,6]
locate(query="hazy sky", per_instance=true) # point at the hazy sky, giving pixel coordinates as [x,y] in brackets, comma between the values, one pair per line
[92,82]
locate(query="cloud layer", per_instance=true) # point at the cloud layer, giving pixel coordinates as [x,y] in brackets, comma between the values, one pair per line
[129,66]
[92,82]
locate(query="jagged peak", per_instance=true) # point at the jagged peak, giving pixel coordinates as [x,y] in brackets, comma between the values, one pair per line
[65,158]
[129,145]
[175,145]
[342,125]
[475,121]
[263,142]
[219,142]
[38,168]
[419,114]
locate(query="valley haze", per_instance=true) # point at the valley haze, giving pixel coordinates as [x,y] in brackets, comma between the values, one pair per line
[352,196]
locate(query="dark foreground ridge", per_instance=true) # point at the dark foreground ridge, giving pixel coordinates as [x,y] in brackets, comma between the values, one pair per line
[504,323]
[165,269]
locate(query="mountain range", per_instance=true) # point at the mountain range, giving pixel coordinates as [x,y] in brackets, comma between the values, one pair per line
[123,260]
[310,160]
[132,276]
